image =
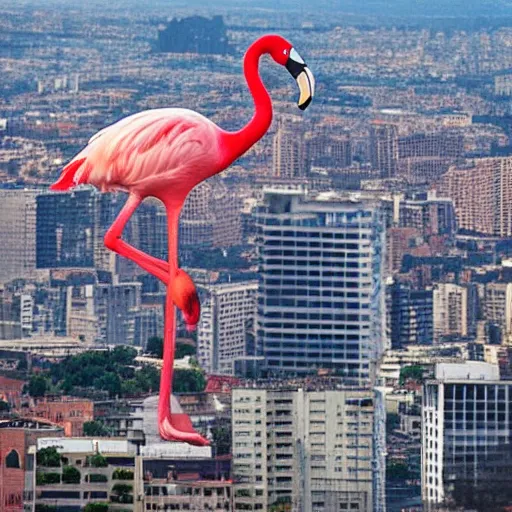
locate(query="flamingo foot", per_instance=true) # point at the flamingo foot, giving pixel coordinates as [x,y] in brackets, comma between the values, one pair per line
[170,428]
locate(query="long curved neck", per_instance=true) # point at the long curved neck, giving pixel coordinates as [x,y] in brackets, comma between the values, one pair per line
[237,143]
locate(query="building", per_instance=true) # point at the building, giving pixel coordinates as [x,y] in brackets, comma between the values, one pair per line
[326,149]
[17,438]
[211,217]
[384,148]
[465,428]
[306,449]
[482,195]
[96,470]
[410,315]
[182,477]
[226,330]
[321,303]
[18,233]
[454,311]
[11,391]
[288,153]
[497,309]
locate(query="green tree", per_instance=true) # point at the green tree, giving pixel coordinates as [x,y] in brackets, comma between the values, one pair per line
[96,507]
[4,406]
[38,386]
[155,347]
[188,381]
[110,382]
[95,428]
[222,439]
[97,461]
[413,372]
[70,475]
[183,349]
[48,457]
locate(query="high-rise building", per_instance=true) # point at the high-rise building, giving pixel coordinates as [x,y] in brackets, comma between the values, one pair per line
[226,329]
[465,431]
[288,154]
[308,450]
[482,194]
[454,311]
[384,148]
[497,308]
[324,149]
[211,217]
[18,233]
[410,315]
[321,301]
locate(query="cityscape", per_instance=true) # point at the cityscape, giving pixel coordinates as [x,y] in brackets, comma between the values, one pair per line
[353,267]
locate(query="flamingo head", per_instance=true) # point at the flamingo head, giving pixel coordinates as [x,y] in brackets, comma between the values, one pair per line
[286,55]
[184,295]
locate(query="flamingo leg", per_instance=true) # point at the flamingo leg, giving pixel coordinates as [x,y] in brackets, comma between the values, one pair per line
[156,267]
[173,426]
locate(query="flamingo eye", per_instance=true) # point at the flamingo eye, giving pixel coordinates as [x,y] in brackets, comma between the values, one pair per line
[285,52]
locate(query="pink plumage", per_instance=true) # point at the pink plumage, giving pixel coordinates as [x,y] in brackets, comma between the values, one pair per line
[147,151]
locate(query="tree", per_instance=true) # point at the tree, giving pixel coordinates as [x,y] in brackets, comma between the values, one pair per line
[48,457]
[97,461]
[183,349]
[4,406]
[155,347]
[413,372]
[222,439]
[188,381]
[37,386]
[96,507]
[70,475]
[95,428]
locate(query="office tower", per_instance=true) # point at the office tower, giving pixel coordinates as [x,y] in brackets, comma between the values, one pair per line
[321,303]
[410,315]
[226,328]
[288,152]
[384,148]
[17,233]
[465,429]
[454,311]
[325,149]
[482,194]
[211,217]
[497,309]
[307,449]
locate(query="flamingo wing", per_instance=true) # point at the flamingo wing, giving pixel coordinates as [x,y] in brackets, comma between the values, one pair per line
[165,144]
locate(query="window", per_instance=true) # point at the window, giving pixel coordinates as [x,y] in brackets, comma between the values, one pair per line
[12,460]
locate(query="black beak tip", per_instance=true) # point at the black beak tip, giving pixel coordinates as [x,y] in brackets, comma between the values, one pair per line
[305,105]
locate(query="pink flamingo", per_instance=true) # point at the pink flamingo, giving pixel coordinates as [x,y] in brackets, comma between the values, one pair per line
[165,153]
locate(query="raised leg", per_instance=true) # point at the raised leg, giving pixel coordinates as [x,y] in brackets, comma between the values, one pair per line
[158,268]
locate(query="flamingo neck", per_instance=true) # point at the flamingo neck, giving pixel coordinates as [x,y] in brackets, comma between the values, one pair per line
[237,143]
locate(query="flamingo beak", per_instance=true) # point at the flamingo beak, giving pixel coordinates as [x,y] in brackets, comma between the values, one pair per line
[305,79]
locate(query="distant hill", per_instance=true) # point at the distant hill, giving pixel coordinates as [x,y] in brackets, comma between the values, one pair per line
[195,34]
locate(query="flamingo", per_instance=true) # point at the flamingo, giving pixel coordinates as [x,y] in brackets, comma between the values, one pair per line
[165,153]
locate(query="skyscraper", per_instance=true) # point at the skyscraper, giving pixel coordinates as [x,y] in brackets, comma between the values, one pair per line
[288,154]
[17,233]
[321,302]
[465,431]
[384,148]
[228,317]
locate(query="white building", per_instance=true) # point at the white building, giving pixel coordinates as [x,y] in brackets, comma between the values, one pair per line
[466,426]
[226,327]
[316,450]
[321,300]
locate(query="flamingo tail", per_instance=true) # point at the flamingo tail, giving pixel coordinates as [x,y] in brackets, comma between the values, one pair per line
[67,177]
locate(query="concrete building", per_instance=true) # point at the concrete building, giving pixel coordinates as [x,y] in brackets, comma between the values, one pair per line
[465,428]
[482,194]
[326,149]
[454,311]
[226,330]
[104,470]
[321,303]
[384,148]
[288,153]
[410,316]
[18,233]
[310,450]
[497,308]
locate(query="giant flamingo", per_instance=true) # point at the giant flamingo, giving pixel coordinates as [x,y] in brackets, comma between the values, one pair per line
[165,153]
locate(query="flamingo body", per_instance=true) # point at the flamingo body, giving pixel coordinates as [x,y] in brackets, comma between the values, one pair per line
[148,152]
